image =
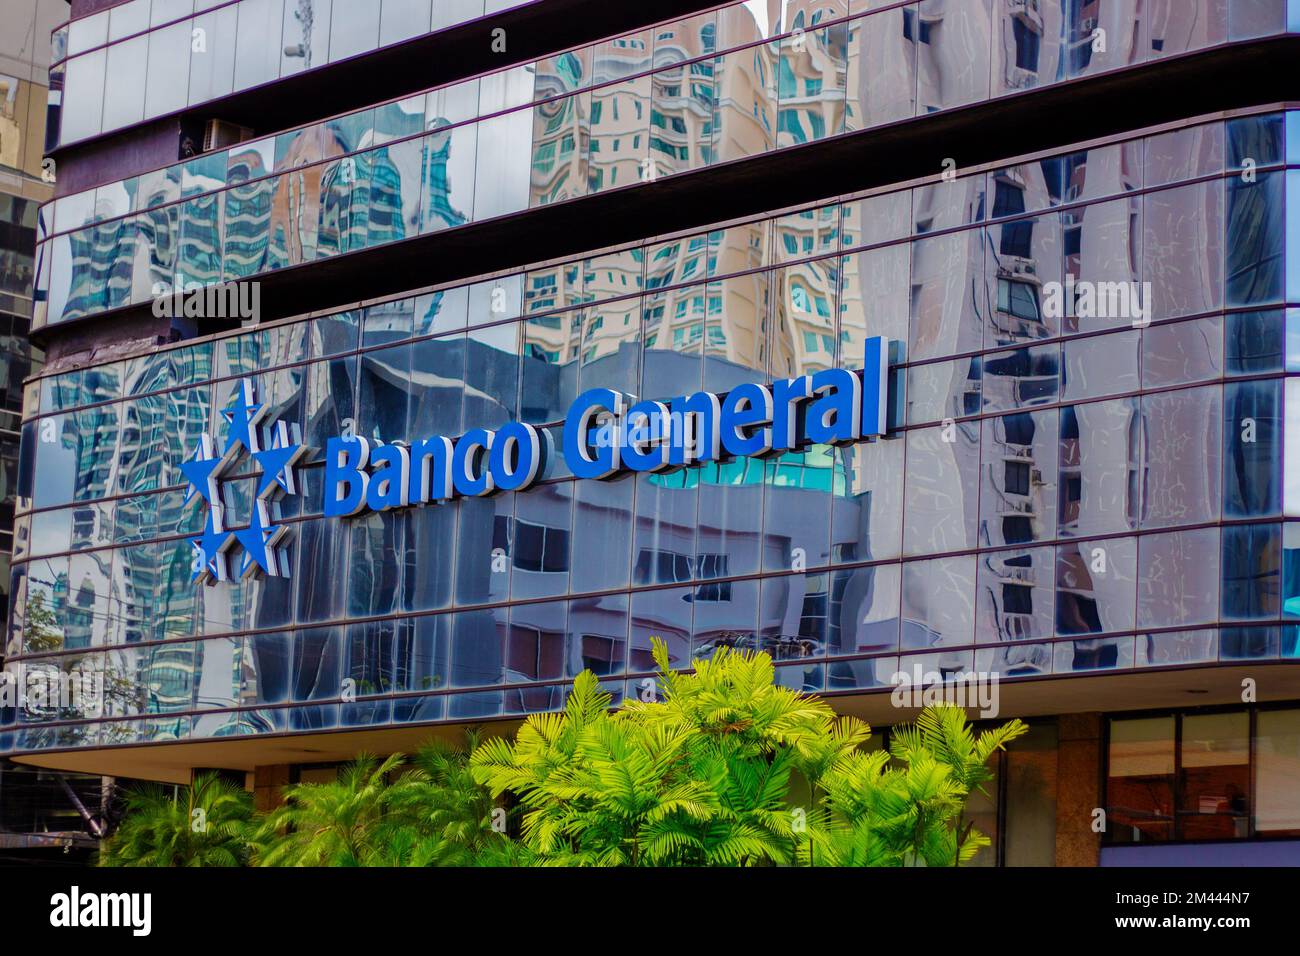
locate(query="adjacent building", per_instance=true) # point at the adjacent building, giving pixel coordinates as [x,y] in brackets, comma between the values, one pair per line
[39,816]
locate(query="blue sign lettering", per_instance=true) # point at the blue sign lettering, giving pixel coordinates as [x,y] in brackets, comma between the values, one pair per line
[607,431]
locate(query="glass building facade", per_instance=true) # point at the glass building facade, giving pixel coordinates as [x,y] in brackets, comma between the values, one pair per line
[737,82]
[1087,470]
[142,59]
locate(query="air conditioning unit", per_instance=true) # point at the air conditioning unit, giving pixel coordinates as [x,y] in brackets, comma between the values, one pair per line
[1018,575]
[1018,267]
[218,134]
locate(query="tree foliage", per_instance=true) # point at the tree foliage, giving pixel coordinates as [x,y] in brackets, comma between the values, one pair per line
[429,812]
[698,778]
[205,824]
[705,775]
[711,773]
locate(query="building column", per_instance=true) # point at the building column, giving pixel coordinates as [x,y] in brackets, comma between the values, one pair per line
[268,783]
[1078,789]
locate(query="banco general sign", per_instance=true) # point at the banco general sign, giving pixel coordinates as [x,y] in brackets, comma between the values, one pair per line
[606,433]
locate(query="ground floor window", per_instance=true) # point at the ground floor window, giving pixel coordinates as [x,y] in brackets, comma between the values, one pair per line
[1218,775]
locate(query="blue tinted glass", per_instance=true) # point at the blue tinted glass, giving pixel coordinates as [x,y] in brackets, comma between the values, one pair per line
[477,640]
[199,258]
[172,599]
[540,542]
[1256,211]
[317,675]
[867,504]
[1251,449]
[332,334]
[247,229]
[369,665]
[1248,643]
[1252,565]
[724,616]
[395,174]
[1291,570]
[796,614]
[429,556]
[437,385]
[537,648]
[387,323]
[598,633]
[664,613]
[331,391]
[382,396]
[422,652]
[1256,341]
[268,656]
[1258,139]
[375,570]
[483,551]
[323,547]
[602,533]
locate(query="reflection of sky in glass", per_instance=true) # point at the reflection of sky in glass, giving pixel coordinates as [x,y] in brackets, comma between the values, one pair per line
[758,10]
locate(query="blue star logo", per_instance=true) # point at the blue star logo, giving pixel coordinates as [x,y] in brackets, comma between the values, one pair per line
[276,449]
[201,471]
[242,418]
[211,561]
[260,542]
[278,460]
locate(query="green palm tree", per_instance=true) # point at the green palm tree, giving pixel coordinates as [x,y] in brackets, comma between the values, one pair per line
[205,824]
[907,805]
[395,813]
[943,733]
[348,822]
[456,810]
[843,828]
[700,777]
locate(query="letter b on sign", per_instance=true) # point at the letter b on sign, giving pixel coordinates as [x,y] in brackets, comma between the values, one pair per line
[345,478]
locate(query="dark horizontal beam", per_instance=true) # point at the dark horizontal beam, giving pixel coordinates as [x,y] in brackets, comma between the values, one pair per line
[531,32]
[30,841]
